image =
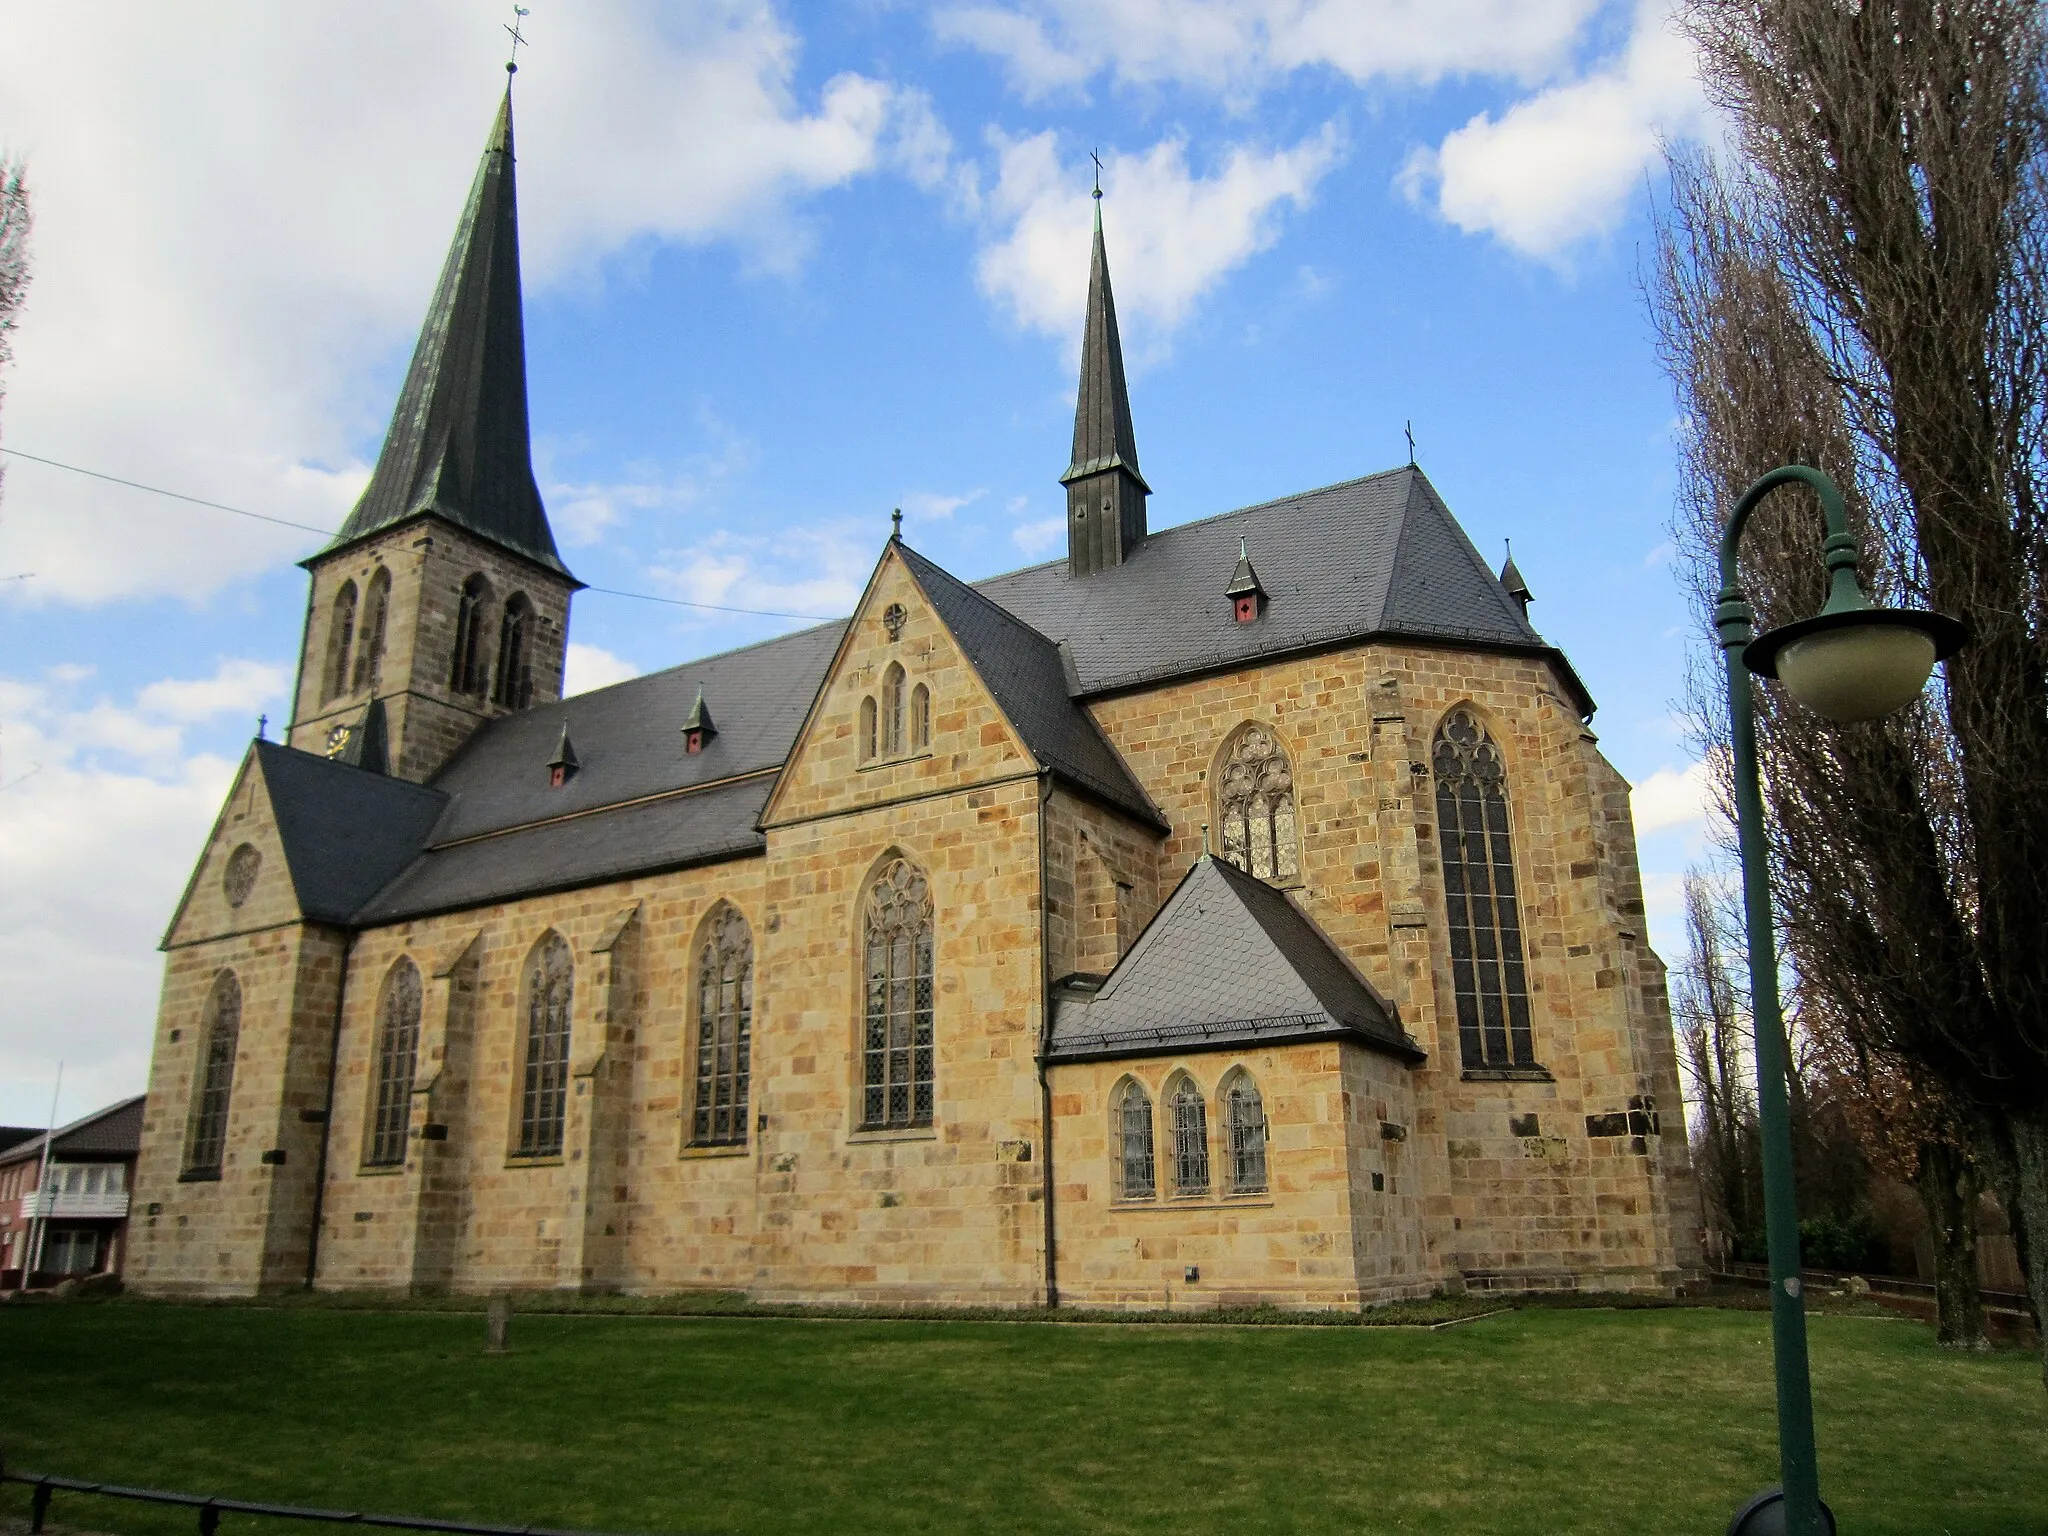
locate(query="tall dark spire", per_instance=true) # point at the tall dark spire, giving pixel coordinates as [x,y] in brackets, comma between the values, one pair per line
[1105,491]
[458,445]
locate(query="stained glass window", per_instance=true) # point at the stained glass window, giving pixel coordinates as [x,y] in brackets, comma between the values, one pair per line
[514,688]
[207,1141]
[725,1025]
[1487,974]
[370,644]
[398,1048]
[1255,803]
[1245,1121]
[896,1048]
[867,729]
[1137,1179]
[1190,1139]
[920,718]
[340,634]
[466,666]
[892,711]
[544,1097]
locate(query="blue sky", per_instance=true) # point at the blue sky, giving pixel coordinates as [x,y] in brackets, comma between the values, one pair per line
[787,268]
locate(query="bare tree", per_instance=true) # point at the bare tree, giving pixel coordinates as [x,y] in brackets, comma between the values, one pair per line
[1864,288]
[1711,1011]
[15,220]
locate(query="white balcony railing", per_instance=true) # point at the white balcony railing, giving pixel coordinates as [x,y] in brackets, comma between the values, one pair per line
[79,1206]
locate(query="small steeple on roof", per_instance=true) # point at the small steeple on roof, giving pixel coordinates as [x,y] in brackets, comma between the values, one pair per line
[1103,437]
[1511,578]
[565,753]
[458,445]
[369,743]
[1244,582]
[699,718]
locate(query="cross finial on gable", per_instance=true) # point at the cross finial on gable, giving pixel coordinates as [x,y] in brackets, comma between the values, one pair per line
[1409,429]
[896,526]
[263,727]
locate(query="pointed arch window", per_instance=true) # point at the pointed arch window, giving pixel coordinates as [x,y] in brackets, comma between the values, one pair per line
[892,711]
[1137,1176]
[466,664]
[398,1047]
[896,1031]
[514,687]
[725,1022]
[544,1068]
[340,634]
[1487,974]
[370,635]
[1244,1119]
[1255,805]
[213,1083]
[920,718]
[1190,1138]
[867,729]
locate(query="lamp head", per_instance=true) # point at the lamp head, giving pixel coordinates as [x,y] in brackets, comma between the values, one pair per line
[1858,664]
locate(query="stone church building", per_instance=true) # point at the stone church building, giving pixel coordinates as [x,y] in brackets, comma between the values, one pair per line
[1235,912]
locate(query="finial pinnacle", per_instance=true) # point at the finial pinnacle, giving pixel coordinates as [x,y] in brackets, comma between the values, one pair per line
[896,526]
[1097,158]
[1243,548]
[263,727]
[1409,429]
[519,13]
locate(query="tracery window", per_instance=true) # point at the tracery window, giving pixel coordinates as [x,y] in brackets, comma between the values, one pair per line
[370,640]
[1136,1176]
[207,1138]
[1190,1138]
[725,1023]
[466,668]
[398,1048]
[544,1094]
[340,633]
[920,718]
[867,729]
[896,1047]
[1244,1118]
[1255,803]
[892,711]
[514,687]
[1487,973]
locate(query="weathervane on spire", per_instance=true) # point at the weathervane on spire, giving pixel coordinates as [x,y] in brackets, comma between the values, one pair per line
[1097,193]
[519,13]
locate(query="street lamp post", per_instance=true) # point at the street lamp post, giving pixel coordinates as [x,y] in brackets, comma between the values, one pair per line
[1851,661]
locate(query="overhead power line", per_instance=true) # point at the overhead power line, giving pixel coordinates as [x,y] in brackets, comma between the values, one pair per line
[328,533]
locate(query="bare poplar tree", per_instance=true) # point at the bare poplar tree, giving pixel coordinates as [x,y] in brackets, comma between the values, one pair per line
[1863,288]
[15,220]
[1711,1011]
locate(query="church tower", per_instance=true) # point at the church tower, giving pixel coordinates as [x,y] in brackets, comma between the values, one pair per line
[441,602]
[1105,493]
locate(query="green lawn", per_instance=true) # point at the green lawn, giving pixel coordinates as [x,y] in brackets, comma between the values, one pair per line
[1537,1423]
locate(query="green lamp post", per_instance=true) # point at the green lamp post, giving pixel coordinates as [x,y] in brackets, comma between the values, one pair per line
[1850,661]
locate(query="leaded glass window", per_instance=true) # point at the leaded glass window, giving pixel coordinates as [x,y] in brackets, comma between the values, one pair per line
[370,644]
[466,665]
[920,718]
[398,1049]
[1137,1179]
[1245,1122]
[725,1027]
[206,1143]
[1487,974]
[867,729]
[544,1093]
[1255,803]
[1190,1139]
[892,711]
[896,1047]
[514,688]
[340,634]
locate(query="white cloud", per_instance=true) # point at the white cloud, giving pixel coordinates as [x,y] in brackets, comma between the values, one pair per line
[1561,166]
[1670,797]
[929,505]
[589,667]
[811,571]
[241,209]
[1173,234]
[237,687]
[1234,47]
[1039,538]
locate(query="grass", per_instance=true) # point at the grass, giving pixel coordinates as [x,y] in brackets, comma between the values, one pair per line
[1544,1420]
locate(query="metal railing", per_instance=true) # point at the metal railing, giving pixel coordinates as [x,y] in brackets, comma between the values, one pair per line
[211,1507]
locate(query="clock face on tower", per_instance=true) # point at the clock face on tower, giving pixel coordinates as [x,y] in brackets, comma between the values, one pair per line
[337,739]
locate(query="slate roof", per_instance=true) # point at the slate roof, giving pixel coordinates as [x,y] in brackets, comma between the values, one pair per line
[1228,961]
[1024,672]
[1103,437]
[346,831]
[457,447]
[115,1131]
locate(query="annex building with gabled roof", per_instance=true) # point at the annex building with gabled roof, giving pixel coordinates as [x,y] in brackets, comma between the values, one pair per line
[1237,912]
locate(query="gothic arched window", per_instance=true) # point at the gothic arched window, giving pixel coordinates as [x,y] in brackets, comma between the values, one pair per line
[725,1026]
[920,718]
[370,641]
[1132,1124]
[515,654]
[1255,804]
[1487,975]
[896,1029]
[1244,1120]
[220,1031]
[398,1049]
[892,711]
[867,729]
[465,668]
[1190,1137]
[544,1092]
[340,632]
